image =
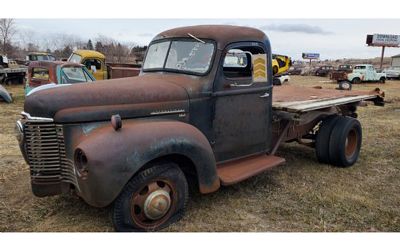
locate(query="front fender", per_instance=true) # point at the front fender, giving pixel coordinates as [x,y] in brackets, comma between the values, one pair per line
[113,157]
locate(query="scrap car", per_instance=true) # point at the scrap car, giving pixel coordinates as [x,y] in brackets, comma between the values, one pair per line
[324,71]
[194,117]
[48,74]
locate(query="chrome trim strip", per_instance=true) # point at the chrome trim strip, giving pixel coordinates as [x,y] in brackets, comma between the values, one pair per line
[34,118]
[164,112]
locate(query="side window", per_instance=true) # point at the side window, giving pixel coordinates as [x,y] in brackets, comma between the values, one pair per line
[92,64]
[237,62]
[40,74]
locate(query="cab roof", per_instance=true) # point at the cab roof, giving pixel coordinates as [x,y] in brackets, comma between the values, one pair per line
[48,64]
[222,34]
[89,53]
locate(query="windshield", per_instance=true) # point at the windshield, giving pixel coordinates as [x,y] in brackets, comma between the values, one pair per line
[74,75]
[75,58]
[42,58]
[187,56]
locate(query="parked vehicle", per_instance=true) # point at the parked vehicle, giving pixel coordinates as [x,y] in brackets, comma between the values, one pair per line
[280,64]
[279,80]
[10,71]
[95,62]
[348,68]
[360,73]
[365,73]
[192,118]
[295,70]
[39,56]
[4,95]
[392,73]
[340,74]
[324,70]
[45,74]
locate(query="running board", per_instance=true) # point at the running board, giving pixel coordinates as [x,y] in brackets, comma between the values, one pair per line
[238,170]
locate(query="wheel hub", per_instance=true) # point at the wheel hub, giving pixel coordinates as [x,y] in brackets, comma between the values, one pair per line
[157,204]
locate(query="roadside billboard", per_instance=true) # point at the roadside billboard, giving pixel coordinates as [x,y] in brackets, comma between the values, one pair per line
[310,56]
[386,40]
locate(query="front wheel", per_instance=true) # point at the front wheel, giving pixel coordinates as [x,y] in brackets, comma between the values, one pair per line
[382,80]
[356,80]
[151,200]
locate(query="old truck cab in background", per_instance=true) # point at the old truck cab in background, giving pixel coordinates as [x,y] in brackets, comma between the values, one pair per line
[96,63]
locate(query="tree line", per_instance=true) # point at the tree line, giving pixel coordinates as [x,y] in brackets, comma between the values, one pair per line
[16,44]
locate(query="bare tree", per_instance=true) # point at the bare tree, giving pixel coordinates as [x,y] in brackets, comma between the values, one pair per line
[7,31]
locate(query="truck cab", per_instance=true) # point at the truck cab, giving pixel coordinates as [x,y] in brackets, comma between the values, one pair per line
[39,56]
[94,61]
[200,114]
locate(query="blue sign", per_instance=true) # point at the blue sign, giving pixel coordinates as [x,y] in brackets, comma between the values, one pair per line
[310,55]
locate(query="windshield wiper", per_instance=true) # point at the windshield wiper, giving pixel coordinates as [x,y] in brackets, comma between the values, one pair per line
[198,39]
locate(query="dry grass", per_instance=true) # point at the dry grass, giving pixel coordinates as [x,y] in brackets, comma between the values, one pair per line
[302,195]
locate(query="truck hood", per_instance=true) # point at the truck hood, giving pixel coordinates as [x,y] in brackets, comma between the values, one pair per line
[141,96]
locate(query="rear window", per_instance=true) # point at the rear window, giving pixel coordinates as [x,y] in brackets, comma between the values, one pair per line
[359,67]
[40,74]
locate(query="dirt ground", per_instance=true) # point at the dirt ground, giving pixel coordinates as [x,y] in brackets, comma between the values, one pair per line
[302,195]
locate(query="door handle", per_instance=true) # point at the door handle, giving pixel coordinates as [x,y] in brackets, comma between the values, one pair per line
[264,95]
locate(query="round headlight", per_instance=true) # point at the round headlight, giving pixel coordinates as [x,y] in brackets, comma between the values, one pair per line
[19,132]
[81,163]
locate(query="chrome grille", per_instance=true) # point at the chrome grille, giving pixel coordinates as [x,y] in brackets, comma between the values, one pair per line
[45,149]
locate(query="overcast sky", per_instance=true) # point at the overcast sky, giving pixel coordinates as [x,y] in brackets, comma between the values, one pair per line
[332,38]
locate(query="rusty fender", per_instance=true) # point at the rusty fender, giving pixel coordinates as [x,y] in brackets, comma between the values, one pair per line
[113,157]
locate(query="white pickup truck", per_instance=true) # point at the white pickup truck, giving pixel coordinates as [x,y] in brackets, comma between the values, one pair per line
[392,73]
[365,73]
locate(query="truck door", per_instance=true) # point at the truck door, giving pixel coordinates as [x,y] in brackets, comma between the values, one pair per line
[242,118]
[371,73]
[96,68]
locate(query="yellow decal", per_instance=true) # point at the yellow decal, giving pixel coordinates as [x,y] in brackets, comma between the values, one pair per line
[259,68]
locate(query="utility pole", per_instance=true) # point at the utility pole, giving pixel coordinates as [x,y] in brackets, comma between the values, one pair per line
[382,55]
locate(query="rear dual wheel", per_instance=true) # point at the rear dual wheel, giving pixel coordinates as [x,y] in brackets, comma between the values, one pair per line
[152,200]
[338,141]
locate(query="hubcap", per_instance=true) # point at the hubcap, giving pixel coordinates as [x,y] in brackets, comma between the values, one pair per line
[157,204]
[153,203]
[351,143]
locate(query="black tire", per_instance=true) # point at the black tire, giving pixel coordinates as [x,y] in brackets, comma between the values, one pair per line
[356,80]
[129,216]
[382,80]
[345,142]
[323,137]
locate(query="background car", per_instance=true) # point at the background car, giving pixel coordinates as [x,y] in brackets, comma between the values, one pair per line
[56,72]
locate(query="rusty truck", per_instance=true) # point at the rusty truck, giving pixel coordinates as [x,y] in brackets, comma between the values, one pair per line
[195,118]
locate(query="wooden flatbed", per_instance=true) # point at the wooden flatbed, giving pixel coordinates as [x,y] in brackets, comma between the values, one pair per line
[298,99]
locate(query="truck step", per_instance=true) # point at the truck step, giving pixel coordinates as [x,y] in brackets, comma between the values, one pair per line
[238,170]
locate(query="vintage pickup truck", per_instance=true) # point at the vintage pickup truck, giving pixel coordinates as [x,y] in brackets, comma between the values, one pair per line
[96,63]
[360,73]
[191,119]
